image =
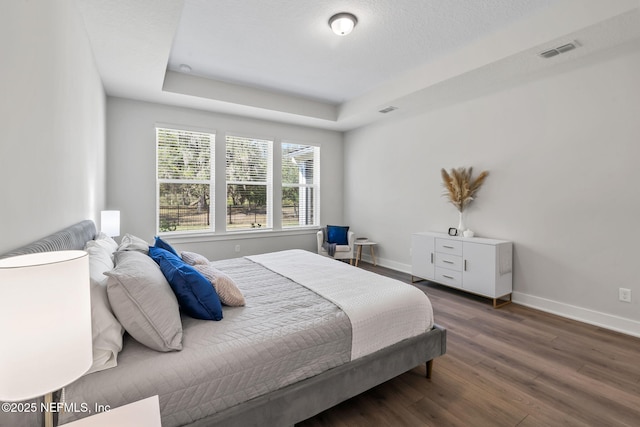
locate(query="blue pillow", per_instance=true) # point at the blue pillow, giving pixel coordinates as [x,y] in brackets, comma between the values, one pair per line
[337,234]
[196,296]
[164,245]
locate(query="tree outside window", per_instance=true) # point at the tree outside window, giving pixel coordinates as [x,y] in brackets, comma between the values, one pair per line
[184,180]
[249,183]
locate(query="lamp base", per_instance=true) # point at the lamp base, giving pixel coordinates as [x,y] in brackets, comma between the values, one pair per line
[48,415]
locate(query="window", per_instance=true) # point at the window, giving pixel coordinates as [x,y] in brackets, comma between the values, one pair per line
[185,180]
[249,183]
[257,196]
[300,184]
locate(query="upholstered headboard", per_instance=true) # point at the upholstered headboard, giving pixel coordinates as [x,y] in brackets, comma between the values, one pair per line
[73,237]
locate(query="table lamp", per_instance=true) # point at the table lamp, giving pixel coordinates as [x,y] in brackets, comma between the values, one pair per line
[110,223]
[45,316]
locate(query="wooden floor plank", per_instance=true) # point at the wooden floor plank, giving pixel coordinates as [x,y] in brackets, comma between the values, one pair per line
[513,366]
[615,378]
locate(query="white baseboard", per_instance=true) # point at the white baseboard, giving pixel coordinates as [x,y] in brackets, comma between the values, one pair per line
[592,317]
[393,265]
[585,315]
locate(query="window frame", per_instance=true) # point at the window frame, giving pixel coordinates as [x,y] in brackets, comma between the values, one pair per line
[211,182]
[269,183]
[315,185]
[218,188]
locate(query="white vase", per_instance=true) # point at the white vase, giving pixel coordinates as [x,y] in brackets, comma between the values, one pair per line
[461,226]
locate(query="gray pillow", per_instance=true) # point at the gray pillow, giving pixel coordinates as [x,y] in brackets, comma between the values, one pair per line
[132,243]
[143,301]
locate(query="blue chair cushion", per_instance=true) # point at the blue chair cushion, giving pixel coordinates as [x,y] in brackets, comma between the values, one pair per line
[195,294]
[337,234]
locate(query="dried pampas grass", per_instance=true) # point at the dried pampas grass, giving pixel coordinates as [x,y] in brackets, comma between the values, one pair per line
[460,187]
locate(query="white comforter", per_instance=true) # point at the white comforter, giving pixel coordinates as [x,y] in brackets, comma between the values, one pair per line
[382,311]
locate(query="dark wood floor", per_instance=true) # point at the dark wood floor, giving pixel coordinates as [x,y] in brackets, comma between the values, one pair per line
[513,366]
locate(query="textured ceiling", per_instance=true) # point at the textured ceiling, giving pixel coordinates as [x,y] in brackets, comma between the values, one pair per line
[287,45]
[278,60]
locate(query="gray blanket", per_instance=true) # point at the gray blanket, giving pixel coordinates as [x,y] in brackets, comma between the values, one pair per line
[284,334]
[329,247]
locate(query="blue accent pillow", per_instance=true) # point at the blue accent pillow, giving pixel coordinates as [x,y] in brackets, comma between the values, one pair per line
[164,245]
[337,234]
[196,296]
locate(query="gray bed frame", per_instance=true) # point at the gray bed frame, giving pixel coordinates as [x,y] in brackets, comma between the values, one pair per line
[304,399]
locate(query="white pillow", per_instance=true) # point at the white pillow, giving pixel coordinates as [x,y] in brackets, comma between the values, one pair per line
[100,260]
[111,244]
[106,331]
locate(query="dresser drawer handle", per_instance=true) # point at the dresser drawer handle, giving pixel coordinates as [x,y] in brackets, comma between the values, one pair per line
[448,277]
[447,261]
[448,247]
[431,257]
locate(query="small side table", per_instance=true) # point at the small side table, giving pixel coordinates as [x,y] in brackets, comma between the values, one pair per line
[359,246]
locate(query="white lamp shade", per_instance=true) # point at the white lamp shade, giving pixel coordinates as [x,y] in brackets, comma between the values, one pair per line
[45,315]
[110,223]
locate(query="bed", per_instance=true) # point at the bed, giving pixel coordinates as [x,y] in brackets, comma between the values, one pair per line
[289,354]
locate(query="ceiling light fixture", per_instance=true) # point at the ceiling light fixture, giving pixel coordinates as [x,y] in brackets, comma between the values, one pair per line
[343,23]
[184,68]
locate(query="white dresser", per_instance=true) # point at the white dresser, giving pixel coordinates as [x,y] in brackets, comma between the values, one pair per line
[473,264]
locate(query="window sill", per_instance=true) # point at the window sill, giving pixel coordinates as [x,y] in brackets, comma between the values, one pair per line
[196,237]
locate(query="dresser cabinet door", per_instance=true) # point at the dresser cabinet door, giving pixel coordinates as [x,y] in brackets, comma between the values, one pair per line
[479,268]
[423,256]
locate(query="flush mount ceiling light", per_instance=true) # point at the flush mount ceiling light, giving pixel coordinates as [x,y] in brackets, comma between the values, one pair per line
[343,23]
[184,68]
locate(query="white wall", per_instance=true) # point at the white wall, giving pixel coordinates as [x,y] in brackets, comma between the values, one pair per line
[52,149]
[131,173]
[563,159]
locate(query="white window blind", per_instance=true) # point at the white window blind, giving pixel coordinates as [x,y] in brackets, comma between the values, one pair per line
[249,182]
[300,184]
[185,180]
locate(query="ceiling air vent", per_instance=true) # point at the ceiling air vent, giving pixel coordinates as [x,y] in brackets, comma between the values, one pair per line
[558,50]
[549,53]
[566,48]
[388,109]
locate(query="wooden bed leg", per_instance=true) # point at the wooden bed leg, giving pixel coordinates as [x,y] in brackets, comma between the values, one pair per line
[429,368]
